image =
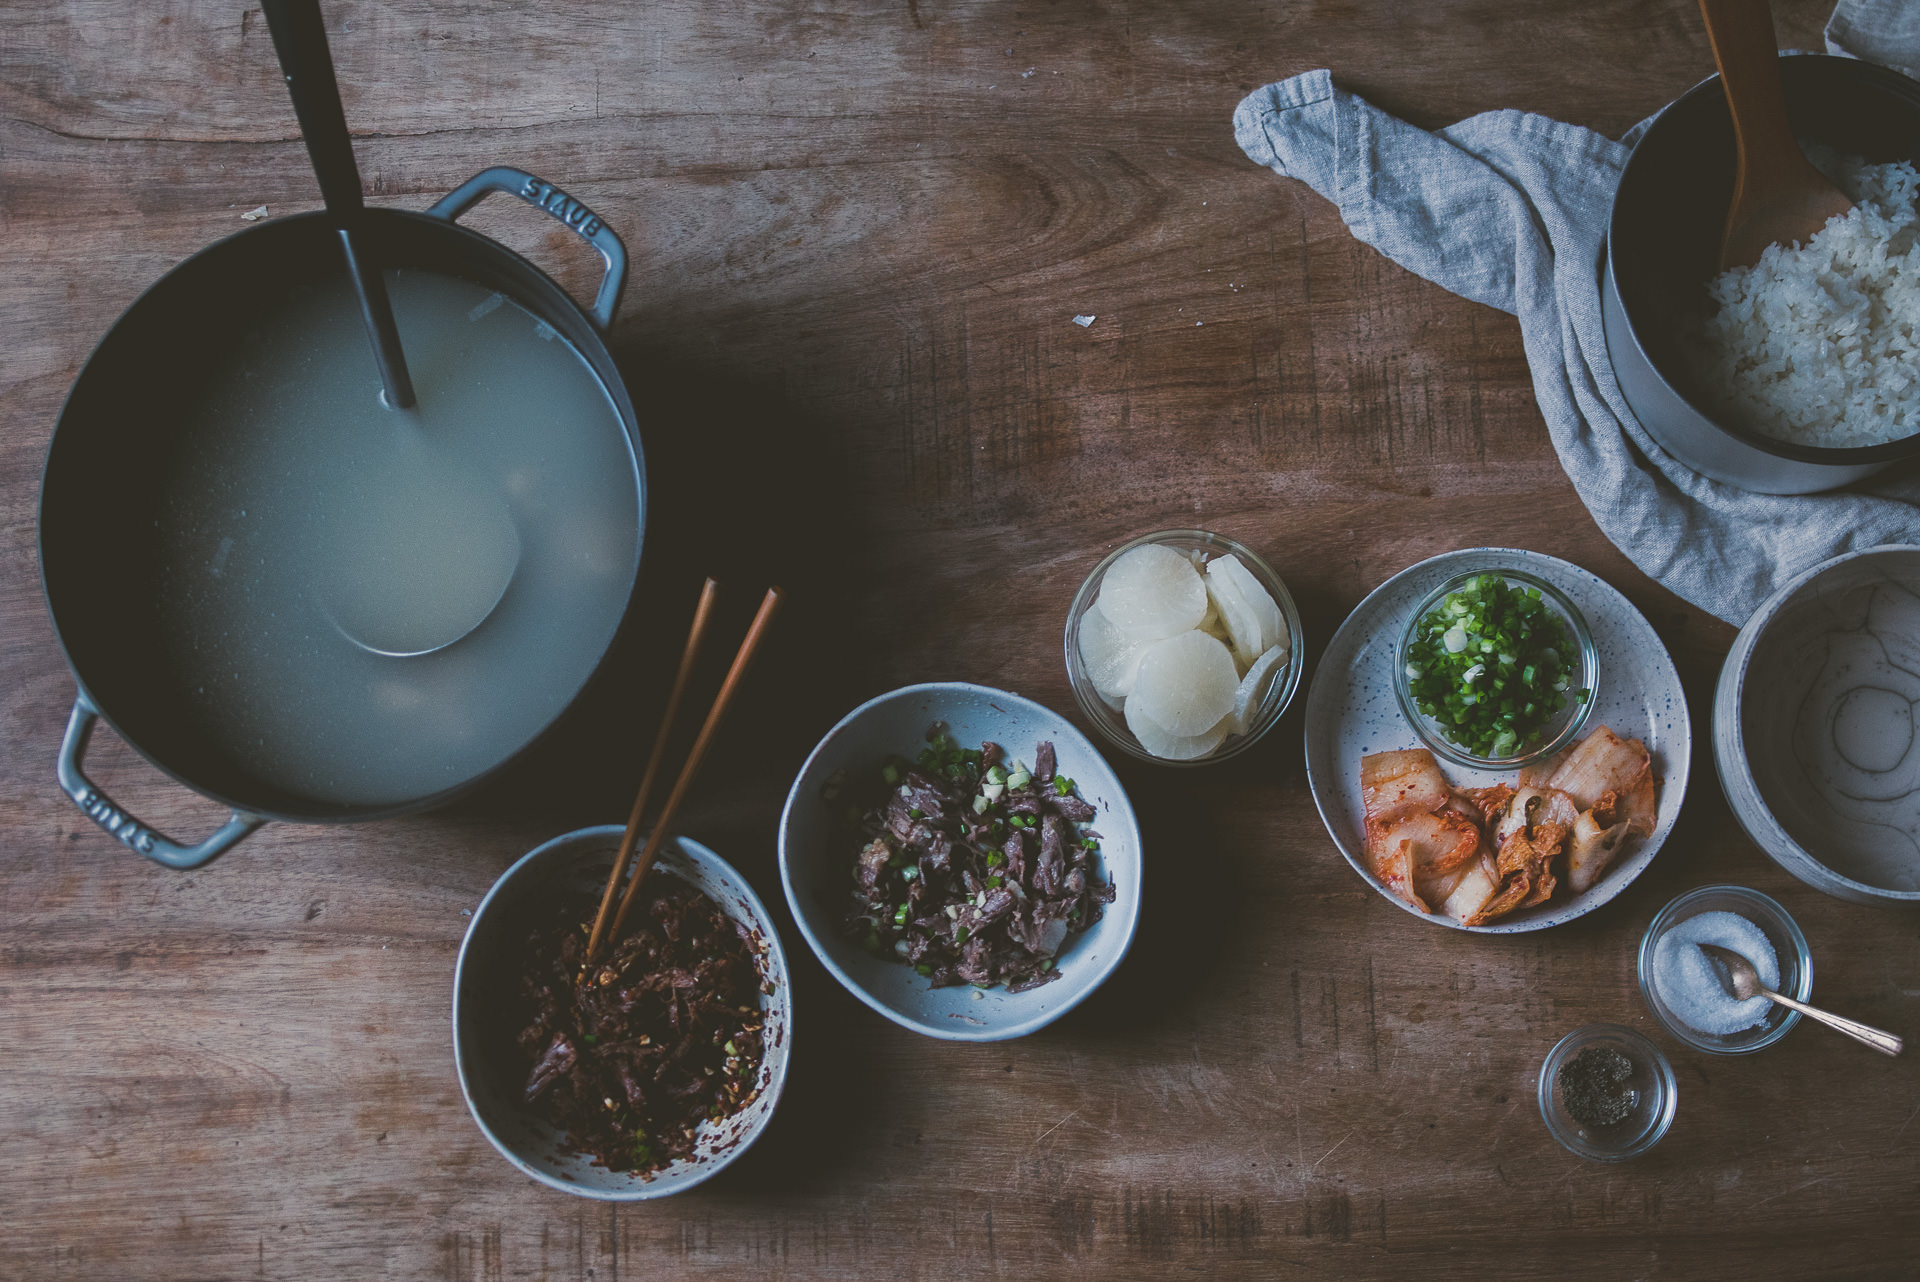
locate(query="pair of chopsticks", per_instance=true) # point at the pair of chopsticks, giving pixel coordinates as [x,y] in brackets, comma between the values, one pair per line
[607,922]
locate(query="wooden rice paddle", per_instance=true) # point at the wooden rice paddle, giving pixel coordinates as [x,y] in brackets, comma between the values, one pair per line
[663,825]
[1778,196]
[702,615]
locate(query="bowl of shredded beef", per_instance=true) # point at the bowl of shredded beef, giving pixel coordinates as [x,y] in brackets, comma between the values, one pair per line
[646,1072]
[963,860]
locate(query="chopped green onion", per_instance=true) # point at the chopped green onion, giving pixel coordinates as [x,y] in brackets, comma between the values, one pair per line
[890,773]
[980,805]
[589,1039]
[900,915]
[960,934]
[731,1049]
[1484,665]
[1019,780]
[924,969]
[909,872]
[914,812]
[995,881]
[996,775]
[995,859]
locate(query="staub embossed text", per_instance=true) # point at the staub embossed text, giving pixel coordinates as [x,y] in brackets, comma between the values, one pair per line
[561,206]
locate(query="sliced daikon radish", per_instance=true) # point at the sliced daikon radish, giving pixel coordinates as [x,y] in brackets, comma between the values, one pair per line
[1239,625]
[1110,657]
[1153,592]
[1253,688]
[1161,742]
[1185,684]
[1216,627]
[1246,607]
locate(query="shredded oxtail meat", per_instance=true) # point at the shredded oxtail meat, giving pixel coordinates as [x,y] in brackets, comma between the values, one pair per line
[969,866]
[662,1033]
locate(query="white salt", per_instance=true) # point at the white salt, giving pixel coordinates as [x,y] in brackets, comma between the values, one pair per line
[1692,983]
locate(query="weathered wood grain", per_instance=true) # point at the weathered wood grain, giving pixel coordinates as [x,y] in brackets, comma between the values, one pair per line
[859,233]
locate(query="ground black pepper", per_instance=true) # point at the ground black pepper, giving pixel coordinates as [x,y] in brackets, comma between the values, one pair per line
[1593,1086]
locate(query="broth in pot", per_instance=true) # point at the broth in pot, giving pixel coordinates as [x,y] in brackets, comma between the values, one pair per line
[368,605]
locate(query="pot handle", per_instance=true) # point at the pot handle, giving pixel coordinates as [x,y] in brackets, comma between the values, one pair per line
[133,834]
[543,195]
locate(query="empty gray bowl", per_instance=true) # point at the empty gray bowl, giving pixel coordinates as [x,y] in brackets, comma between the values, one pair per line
[1814,726]
[486,976]
[817,855]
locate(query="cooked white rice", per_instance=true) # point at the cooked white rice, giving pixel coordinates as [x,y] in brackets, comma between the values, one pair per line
[1819,343]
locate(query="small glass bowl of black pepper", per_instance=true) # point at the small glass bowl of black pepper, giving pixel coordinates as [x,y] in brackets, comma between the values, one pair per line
[1607,1093]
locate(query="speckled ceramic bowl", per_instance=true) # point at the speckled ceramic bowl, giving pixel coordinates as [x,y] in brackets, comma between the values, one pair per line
[1814,726]
[487,969]
[817,851]
[1352,711]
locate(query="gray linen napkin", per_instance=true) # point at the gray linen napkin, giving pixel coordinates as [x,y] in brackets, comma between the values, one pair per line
[1882,31]
[1510,209]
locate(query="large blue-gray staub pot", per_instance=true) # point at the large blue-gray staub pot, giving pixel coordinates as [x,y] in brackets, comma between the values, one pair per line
[98,502]
[1663,246]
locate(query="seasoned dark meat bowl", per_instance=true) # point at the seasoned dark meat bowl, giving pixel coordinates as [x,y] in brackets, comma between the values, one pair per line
[970,865]
[821,841]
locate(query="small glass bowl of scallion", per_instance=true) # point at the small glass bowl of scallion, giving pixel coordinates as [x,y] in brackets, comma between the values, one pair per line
[1496,669]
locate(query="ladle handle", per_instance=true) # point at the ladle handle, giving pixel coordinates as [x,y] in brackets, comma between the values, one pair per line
[306,62]
[543,195]
[1885,1043]
[116,822]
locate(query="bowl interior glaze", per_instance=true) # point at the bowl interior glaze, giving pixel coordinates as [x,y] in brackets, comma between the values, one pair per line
[1827,718]
[817,851]
[486,977]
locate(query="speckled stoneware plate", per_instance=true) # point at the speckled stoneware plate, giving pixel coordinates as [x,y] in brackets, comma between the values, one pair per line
[817,852]
[1351,711]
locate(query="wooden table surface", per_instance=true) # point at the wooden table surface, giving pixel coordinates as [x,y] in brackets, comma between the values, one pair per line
[859,235]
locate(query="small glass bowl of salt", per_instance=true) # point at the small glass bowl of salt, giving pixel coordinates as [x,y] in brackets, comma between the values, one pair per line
[1684,987]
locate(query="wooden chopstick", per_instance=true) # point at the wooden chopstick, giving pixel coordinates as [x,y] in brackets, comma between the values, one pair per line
[702,615]
[663,825]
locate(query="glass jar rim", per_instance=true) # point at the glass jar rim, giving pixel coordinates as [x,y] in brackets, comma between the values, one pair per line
[1583,643]
[1279,695]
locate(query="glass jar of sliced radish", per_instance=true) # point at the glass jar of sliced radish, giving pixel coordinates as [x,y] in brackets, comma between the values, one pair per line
[1183,647]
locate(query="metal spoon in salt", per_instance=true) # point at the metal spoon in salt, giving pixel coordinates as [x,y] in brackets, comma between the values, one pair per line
[1742,981]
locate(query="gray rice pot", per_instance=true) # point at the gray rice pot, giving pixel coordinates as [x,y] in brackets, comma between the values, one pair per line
[1663,241]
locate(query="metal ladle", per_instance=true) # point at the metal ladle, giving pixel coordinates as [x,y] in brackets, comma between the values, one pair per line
[432,549]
